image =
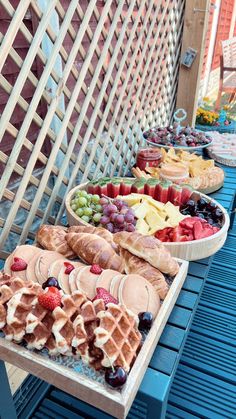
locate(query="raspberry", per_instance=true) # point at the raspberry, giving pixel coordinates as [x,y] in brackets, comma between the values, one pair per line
[96,269]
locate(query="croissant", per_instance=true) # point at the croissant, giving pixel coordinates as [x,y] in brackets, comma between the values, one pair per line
[94,249]
[148,248]
[100,231]
[53,238]
[135,265]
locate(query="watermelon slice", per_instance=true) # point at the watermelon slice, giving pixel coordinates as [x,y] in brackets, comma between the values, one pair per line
[125,187]
[162,191]
[150,186]
[91,186]
[186,193]
[113,187]
[138,187]
[175,194]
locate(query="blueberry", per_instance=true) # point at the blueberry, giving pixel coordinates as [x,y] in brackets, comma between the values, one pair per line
[202,203]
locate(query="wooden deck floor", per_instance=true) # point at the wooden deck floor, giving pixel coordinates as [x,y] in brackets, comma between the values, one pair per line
[16,377]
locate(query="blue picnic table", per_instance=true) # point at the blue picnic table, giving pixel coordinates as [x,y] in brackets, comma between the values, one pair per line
[192,373]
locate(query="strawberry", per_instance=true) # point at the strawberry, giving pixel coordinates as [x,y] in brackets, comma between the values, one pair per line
[201,231]
[96,269]
[69,267]
[50,299]
[104,295]
[18,265]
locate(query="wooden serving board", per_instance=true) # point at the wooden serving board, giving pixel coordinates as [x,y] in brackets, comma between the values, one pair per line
[114,402]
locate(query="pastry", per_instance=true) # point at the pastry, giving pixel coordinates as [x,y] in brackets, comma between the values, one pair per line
[117,336]
[95,250]
[104,280]
[149,249]
[43,262]
[135,265]
[99,231]
[61,269]
[86,282]
[138,295]
[53,238]
[22,255]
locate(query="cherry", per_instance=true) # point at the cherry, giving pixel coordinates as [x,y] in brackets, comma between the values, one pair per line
[115,376]
[51,282]
[145,320]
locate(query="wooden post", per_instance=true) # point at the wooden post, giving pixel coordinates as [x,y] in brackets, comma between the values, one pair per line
[195,25]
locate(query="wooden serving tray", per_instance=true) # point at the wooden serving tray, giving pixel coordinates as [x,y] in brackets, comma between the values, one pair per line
[114,402]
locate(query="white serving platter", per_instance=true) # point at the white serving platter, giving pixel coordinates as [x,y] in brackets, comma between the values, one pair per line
[187,148]
[113,402]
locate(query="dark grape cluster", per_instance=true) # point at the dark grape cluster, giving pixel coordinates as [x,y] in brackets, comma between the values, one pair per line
[117,216]
[172,136]
[204,209]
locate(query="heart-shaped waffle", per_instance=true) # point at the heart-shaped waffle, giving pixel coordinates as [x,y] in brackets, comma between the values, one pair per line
[117,336]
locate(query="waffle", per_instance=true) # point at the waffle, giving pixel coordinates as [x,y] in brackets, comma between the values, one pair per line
[18,307]
[62,328]
[8,286]
[117,336]
[85,325]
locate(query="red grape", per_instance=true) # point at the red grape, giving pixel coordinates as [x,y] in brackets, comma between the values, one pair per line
[104,219]
[120,219]
[110,227]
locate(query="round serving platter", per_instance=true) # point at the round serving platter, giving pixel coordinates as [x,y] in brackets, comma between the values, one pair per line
[191,250]
[166,147]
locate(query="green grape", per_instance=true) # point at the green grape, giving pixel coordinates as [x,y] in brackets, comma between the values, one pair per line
[74,207]
[95,199]
[98,208]
[80,212]
[84,194]
[73,201]
[88,211]
[97,217]
[93,206]
[86,218]
[82,202]
[78,194]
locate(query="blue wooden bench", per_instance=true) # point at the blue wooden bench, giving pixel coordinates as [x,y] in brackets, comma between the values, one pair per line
[191,373]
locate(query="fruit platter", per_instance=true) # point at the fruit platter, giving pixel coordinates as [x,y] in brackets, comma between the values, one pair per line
[71,315]
[190,224]
[181,167]
[185,138]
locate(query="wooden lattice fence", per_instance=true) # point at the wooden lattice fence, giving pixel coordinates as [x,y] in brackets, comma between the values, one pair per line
[79,82]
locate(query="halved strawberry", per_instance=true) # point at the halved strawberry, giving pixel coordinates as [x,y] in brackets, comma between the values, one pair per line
[201,231]
[69,267]
[19,265]
[96,269]
[103,294]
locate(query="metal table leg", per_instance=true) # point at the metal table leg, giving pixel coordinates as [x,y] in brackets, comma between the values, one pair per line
[7,407]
